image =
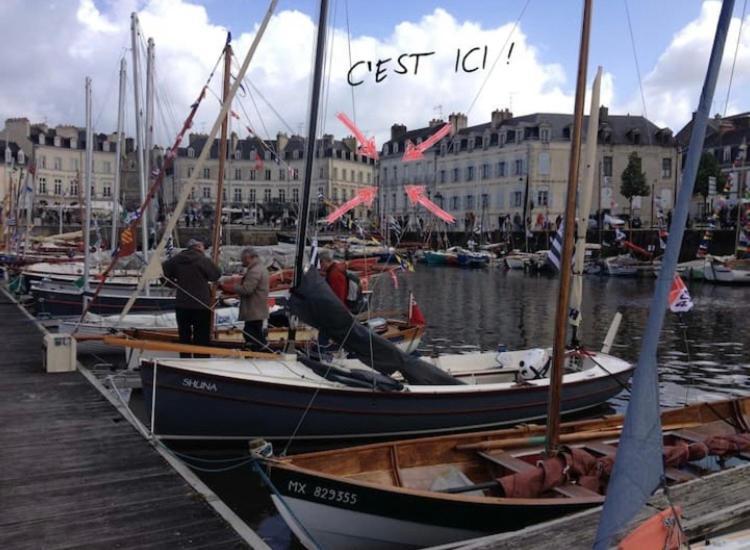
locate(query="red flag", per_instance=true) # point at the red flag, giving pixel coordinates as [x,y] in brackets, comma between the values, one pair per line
[127,242]
[415,314]
[394,278]
[679,297]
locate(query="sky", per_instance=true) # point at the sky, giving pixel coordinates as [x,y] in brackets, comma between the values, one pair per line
[62,41]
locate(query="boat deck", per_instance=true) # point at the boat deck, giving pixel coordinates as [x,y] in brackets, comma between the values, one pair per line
[75,474]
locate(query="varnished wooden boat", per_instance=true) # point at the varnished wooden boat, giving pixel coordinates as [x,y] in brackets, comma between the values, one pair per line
[429,491]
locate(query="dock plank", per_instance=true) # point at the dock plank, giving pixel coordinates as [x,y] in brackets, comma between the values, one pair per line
[75,474]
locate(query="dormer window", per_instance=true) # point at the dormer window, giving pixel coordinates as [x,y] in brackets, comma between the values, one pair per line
[105,147]
[395,147]
[544,135]
[503,138]
[73,143]
[519,136]
[443,148]
[41,139]
[8,155]
[237,154]
[21,157]
[57,141]
[191,152]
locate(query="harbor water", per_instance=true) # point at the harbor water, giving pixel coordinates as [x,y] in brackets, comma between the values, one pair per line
[704,355]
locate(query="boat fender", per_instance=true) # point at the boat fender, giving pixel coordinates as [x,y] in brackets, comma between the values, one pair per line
[260,448]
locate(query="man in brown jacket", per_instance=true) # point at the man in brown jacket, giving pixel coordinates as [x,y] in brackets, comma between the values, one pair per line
[190,272]
[253,293]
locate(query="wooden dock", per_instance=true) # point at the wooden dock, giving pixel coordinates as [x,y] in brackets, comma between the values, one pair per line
[74,473]
[709,504]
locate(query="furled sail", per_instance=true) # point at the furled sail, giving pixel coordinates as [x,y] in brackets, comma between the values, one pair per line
[315,303]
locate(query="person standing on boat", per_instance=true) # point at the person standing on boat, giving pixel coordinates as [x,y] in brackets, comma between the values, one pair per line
[190,272]
[253,293]
[335,274]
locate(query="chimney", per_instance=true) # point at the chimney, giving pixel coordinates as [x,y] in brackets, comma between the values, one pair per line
[281,141]
[603,114]
[458,120]
[397,131]
[351,143]
[435,122]
[498,117]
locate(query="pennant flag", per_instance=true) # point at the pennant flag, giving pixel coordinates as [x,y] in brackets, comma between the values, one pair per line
[415,314]
[744,241]
[704,244]
[679,297]
[620,235]
[127,242]
[554,256]
[663,234]
[79,282]
[416,196]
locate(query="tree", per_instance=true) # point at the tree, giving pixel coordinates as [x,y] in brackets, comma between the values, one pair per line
[633,181]
[708,168]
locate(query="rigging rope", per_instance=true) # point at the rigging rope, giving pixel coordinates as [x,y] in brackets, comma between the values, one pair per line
[734,59]
[635,58]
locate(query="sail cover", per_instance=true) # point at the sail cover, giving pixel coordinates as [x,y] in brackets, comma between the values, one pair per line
[314,302]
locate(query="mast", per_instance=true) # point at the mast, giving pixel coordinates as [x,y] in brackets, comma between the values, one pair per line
[563,297]
[639,469]
[584,209]
[740,198]
[149,128]
[140,145]
[312,129]
[87,192]
[525,208]
[118,155]
[216,238]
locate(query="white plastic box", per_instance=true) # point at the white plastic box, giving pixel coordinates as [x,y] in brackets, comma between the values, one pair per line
[59,353]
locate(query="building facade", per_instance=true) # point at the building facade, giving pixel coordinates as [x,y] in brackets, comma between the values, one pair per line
[265,177]
[490,174]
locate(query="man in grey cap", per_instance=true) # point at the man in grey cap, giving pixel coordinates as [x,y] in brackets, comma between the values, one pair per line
[253,293]
[190,272]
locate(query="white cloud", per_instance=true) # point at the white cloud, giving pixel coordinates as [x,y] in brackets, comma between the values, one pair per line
[673,86]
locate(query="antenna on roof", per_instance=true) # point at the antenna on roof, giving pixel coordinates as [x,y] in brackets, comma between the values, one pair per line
[439,110]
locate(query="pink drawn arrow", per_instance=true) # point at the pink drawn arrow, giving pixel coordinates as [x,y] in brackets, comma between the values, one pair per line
[415,152]
[416,196]
[367,147]
[366,195]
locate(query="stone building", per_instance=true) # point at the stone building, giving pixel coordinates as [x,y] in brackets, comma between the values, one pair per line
[486,173]
[265,176]
[57,156]
[727,140]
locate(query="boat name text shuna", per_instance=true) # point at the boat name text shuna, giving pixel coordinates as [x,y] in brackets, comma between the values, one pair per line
[199,384]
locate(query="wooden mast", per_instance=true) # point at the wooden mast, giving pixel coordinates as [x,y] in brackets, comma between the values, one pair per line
[563,297]
[216,237]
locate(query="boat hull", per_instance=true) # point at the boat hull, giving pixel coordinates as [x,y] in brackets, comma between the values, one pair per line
[340,515]
[63,302]
[201,405]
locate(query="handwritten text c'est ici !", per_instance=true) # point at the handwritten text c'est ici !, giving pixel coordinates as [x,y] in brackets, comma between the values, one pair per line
[468,62]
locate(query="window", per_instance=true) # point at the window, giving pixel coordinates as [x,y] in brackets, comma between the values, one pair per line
[395,205]
[238,194]
[518,167]
[107,190]
[542,198]
[224,194]
[442,176]
[517,199]
[469,202]
[266,195]
[395,173]
[485,171]
[73,188]
[485,200]
[544,134]
[237,154]
[192,195]
[360,177]
[454,203]
[189,171]
[336,173]
[456,175]
[206,192]
[469,173]
[501,170]
[43,160]
[282,174]
[500,199]
[666,168]
[42,185]
[252,175]
[191,152]
[295,195]
[238,174]
[207,173]
[321,172]
[544,164]
[106,167]
[93,189]
[282,195]
[57,162]
[252,196]
[607,166]
[268,174]
[58,187]
[295,173]
[385,175]
[369,177]
[74,164]
[335,194]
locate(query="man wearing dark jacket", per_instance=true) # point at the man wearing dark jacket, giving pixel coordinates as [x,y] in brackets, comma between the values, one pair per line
[190,272]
